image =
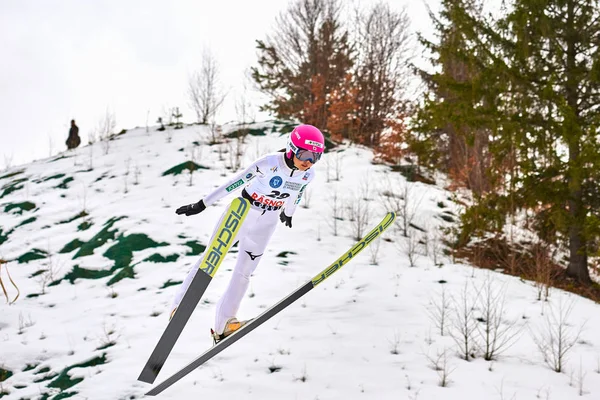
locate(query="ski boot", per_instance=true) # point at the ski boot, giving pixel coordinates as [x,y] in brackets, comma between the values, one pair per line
[231,326]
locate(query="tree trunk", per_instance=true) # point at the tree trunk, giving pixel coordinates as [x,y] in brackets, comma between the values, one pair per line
[578,258]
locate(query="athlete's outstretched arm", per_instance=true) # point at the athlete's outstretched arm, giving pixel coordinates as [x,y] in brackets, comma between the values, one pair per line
[233,183]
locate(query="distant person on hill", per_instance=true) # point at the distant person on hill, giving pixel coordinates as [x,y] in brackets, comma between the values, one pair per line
[73,140]
[273,185]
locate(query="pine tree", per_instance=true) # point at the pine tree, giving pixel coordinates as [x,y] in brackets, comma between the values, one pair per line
[529,81]
[455,122]
[554,74]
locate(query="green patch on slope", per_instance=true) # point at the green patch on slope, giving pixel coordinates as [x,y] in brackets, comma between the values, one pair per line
[159,258]
[25,222]
[63,381]
[188,165]
[64,395]
[170,283]
[49,178]
[286,127]
[82,214]
[243,132]
[4,236]
[57,176]
[284,254]
[83,273]
[33,254]
[37,273]
[19,207]
[5,374]
[48,375]
[72,245]
[65,183]
[99,239]
[84,226]
[11,174]
[30,367]
[121,252]
[197,248]
[12,187]
[104,175]
[61,157]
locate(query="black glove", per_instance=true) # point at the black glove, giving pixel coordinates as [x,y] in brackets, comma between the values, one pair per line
[192,209]
[285,219]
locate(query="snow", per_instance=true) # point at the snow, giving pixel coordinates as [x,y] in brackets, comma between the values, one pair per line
[366,332]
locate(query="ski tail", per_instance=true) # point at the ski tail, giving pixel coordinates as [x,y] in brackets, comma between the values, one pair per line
[274,310]
[213,256]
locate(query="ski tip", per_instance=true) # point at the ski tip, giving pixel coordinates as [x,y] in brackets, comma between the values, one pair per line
[147,376]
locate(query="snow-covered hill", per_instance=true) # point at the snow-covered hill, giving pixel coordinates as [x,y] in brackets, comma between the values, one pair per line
[94,245]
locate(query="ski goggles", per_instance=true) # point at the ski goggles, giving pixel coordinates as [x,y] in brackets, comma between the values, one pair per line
[307,155]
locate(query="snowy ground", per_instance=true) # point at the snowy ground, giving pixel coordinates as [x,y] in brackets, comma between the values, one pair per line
[367,332]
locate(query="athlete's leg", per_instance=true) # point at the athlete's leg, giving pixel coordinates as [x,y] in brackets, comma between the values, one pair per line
[190,276]
[251,248]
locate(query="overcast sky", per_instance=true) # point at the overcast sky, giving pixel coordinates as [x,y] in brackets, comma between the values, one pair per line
[64,59]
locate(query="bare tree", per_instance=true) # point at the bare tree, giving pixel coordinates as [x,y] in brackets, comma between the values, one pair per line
[235,149]
[544,271]
[243,106]
[216,134]
[92,136]
[50,145]
[365,187]
[436,245]
[409,247]
[358,213]
[374,251]
[464,324]
[399,198]
[557,337]
[337,164]
[439,310]
[8,160]
[49,274]
[441,365]
[581,378]
[205,94]
[106,128]
[193,156]
[136,174]
[83,199]
[333,165]
[383,42]
[305,59]
[336,211]
[91,157]
[496,333]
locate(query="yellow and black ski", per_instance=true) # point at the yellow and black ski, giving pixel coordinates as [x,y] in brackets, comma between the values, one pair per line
[214,254]
[256,322]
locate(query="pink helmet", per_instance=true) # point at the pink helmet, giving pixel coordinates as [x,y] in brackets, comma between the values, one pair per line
[306,142]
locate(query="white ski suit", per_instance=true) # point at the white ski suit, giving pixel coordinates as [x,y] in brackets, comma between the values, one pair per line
[270,186]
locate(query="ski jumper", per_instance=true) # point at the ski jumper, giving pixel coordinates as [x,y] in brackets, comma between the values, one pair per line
[270,186]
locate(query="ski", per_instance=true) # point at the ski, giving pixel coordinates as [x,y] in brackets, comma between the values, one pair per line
[266,315]
[213,256]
